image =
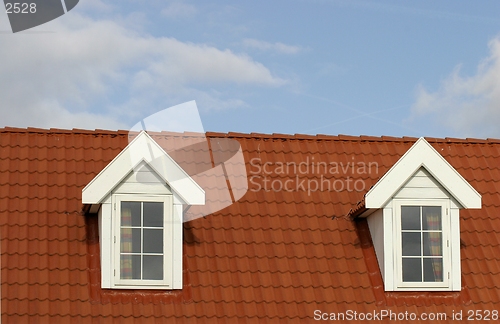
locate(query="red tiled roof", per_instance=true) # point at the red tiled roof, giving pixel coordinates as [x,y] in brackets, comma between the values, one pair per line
[272,256]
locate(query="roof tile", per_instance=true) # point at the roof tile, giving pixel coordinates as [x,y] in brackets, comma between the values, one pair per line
[274,255]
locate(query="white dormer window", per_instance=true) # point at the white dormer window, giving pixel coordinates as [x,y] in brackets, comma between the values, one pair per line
[139,197]
[413,216]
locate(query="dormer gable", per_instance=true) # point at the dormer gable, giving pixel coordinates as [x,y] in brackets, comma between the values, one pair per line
[413,216]
[422,155]
[142,150]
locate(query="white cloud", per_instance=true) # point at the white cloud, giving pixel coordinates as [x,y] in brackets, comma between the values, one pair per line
[467,105]
[98,73]
[179,10]
[186,62]
[275,47]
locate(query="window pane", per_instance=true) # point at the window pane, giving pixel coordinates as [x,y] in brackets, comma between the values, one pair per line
[130,266]
[153,240]
[153,267]
[433,244]
[433,270]
[411,244]
[431,217]
[412,270]
[126,240]
[153,214]
[410,217]
[130,240]
[131,213]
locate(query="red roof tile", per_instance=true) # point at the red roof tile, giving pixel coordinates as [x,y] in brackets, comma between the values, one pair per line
[274,255]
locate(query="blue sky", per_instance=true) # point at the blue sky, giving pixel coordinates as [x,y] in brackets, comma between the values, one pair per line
[398,68]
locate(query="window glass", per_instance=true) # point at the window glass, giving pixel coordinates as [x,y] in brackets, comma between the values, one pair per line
[131,213]
[130,266]
[431,218]
[433,244]
[411,244]
[141,240]
[421,244]
[153,212]
[153,267]
[412,270]
[410,218]
[153,241]
[433,270]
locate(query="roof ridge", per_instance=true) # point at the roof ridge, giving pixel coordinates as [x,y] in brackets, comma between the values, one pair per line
[299,136]
[9,129]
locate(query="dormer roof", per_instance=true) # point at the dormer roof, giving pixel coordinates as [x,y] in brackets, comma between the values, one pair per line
[143,149]
[422,155]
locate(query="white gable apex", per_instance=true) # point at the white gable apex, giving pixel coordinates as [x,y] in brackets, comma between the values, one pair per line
[422,154]
[143,149]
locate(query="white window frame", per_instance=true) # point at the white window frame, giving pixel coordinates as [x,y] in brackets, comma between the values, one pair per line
[167,282]
[399,284]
